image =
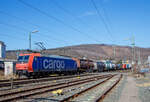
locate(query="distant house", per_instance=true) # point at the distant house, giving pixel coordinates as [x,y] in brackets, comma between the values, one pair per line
[2,50]
[148,61]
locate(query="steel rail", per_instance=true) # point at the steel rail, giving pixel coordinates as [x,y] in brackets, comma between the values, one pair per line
[7,83]
[83,91]
[47,88]
[100,98]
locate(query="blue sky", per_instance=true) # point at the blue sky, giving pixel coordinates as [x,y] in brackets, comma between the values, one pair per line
[78,24]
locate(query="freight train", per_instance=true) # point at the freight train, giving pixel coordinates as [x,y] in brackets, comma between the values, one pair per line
[36,65]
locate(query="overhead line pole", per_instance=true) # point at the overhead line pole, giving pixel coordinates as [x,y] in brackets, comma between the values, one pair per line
[133,52]
[114,52]
[133,49]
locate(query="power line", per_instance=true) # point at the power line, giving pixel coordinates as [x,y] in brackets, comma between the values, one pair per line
[105,24]
[103,20]
[12,37]
[69,13]
[4,13]
[106,16]
[13,26]
[49,38]
[56,19]
[28,23]
[20,28]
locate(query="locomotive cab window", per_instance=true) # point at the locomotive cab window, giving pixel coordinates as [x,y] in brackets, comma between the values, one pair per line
[20,58]
[23,58]
[26,58]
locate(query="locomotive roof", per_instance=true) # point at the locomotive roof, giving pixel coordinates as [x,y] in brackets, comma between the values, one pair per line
[57,56]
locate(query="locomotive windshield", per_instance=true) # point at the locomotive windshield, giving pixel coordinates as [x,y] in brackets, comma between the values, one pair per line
[23,58]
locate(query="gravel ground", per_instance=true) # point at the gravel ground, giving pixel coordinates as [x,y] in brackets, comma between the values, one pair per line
[116,92]
[144,88]
[91,95]
[20,87]
[51,97]
[142,84]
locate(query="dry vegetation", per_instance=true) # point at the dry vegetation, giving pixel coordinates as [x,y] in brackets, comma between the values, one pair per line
[94,51]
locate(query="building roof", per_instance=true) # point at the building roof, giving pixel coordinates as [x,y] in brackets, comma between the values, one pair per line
[2,43]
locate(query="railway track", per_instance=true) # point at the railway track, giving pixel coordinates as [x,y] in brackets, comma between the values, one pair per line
[100,98]
[14,95]
[83,94]
[7,83]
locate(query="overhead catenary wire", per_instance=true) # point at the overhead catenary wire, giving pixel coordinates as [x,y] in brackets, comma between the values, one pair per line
[106,17]
[35,25]
[105,24]
[71,14]
[21,28]
[103,20]
[12,37]
[58,20]
[13,26]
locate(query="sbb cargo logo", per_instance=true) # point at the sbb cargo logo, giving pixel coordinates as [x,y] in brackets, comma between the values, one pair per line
[50,64]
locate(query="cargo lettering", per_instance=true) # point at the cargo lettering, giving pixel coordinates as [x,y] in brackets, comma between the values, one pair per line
[50,64]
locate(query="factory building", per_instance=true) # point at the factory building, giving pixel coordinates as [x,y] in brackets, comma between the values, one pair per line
[2,50]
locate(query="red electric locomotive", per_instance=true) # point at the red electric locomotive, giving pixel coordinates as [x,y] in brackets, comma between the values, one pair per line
[24,64]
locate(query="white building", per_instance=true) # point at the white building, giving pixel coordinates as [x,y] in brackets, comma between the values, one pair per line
[148,61]
[2,50]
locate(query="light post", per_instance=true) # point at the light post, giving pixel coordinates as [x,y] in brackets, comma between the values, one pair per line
[30,38]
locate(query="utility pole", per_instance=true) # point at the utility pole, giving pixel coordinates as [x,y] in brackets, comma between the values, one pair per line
[132,39]
[133,49]
[133,52]
[114,51]
[139,59]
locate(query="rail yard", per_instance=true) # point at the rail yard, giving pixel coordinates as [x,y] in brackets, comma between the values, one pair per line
[74,51]
[64,89]
[75,79]
[56,78]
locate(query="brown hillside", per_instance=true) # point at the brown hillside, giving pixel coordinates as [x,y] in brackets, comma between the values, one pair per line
[94,51]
